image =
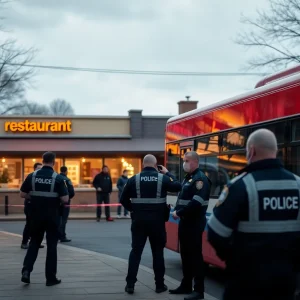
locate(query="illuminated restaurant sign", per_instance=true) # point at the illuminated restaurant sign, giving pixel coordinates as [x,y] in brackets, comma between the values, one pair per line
[33,126]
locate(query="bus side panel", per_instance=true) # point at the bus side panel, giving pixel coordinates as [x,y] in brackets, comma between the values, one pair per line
[172,227]
[209,254]
[172,235]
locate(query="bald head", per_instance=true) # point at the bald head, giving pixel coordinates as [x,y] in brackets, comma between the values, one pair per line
[261,144]
[149,161]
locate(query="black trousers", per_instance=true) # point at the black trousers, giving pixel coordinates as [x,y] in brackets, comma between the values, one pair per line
[63,222]
[37,230]
[103,198]
[190,241]
[140,231]
[26,231]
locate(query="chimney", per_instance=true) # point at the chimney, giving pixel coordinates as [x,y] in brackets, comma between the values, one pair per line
[184,106]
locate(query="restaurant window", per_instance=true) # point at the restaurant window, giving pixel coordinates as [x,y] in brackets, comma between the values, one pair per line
[117,165]
[29,163]
[173,159]
[234,140]
[82,171]
[10,172]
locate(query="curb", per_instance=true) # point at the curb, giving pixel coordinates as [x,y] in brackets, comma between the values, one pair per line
[106,257]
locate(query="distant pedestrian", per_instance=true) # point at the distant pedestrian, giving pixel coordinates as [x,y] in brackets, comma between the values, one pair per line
[103,185]
[120,185]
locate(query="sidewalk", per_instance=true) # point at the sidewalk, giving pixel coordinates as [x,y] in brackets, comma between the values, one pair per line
[85,275]
[72,216]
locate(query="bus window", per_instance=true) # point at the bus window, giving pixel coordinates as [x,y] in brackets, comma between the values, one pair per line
[208,145]
[232,164]
[173,159]
[234,140]
[294,160]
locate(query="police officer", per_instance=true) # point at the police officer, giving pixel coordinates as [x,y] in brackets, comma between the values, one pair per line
[191,208]
[149,212]
[255,226]
[26,231]
[65,208]
[46,190]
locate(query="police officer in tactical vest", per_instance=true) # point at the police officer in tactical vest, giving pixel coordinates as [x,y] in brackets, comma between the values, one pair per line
[191,208]
[26,231]
[65,208]
[46,190]
[255,226]
[149,212]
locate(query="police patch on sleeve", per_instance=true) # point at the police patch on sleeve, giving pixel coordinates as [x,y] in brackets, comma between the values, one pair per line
[199,185]
[171,179]
[223,196]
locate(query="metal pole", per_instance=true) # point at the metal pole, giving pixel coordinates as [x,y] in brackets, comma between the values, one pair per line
[6,205]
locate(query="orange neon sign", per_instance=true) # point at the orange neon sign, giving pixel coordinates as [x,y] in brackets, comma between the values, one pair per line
[33,126]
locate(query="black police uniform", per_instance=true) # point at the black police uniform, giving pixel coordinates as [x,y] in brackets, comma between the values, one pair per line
[255,228]
[45,188]
[66,208]
[148,192]
[191,207]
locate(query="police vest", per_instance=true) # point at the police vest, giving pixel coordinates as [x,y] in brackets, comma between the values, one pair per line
[139,199]
[149,208]
[273,205]
[46,181]
[187,195]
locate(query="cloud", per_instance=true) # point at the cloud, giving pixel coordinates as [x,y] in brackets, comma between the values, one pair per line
[181,35]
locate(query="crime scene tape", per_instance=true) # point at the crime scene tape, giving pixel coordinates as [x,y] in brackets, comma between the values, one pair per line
[71,205]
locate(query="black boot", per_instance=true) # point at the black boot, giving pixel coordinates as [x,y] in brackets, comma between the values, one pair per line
[25,277]
[53,282]
[181,290]
[129,288]
[161,288]
[195,296]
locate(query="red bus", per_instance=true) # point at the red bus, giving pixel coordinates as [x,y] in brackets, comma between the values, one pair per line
[219,133]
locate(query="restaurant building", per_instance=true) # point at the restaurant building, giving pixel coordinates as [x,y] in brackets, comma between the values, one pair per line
[82,143]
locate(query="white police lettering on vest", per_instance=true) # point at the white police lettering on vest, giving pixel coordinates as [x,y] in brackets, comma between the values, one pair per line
[44,180]
[278,203]
[148,178]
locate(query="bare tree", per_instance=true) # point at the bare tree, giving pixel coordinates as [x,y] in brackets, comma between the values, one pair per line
[14,75]
[31,108]
[61,107]
[275,33]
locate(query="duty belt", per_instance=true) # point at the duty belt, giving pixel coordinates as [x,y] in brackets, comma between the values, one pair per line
[196,198]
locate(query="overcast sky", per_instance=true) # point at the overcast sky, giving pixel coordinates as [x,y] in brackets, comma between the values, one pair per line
[166,35]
